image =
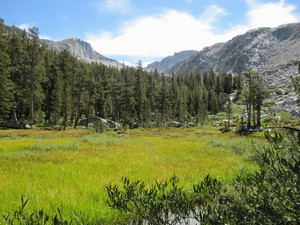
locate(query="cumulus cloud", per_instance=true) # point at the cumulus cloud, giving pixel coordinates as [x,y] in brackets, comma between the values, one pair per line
[119,6]
[212,14]
[157,35]
[24,26]
[172,31]
[270,14]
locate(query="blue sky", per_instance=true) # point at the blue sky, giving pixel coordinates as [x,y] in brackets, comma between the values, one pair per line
[132,30]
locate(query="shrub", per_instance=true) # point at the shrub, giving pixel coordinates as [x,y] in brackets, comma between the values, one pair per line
[22,216]
[270,195]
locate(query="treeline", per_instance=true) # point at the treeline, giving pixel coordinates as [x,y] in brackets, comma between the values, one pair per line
[40,86]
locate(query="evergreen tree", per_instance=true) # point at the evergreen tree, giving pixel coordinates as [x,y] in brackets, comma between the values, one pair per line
[254,97]
[64,64]
[163,101]
[6,85]
[127,96]
[17,67]
[139,93]
[296,82]
[34,73]
[52,89]
[78,86]
[228,83]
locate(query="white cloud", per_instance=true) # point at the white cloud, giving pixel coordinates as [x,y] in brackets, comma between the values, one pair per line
[157,36]
[24,26]
[212,14]
[270,14]
[172,31]
[119,6]
[43,36]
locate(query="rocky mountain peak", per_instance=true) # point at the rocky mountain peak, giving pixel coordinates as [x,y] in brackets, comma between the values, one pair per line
[272,52]
[81,49]
[168,62]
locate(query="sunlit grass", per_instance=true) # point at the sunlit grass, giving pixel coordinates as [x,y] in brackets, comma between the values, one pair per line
[70,169]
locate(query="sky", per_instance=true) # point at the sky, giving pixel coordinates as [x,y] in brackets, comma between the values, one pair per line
[149,30]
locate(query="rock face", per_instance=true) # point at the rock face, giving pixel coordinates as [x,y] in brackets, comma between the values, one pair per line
[272,52]
[81,50]
[167,63]
[266,50]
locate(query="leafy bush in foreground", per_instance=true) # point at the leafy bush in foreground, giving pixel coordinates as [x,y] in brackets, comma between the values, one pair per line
[22,216]
[269,196]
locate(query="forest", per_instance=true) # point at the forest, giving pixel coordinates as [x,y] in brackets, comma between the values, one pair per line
[44,87]
[153,176]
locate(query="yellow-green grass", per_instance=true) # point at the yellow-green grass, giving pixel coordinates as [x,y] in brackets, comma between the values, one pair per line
[70,169]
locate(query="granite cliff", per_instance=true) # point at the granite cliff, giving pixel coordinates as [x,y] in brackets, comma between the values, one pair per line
[81,49]
[272,52]
[168,62]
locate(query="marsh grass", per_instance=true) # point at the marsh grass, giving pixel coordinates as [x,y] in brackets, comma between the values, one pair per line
[100,139]
[70,169]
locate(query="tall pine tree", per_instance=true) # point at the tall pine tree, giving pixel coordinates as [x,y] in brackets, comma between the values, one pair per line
[6,86]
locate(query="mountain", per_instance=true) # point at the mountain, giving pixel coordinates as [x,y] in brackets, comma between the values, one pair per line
[168,62]
[267,50]
[81,49]
[272,52]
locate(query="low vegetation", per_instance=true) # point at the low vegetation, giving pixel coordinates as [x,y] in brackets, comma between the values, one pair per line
[70,169]
[154,174]
[204,180]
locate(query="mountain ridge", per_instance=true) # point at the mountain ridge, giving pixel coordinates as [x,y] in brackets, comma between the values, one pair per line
[253,49]
[168,62]
[271,52]
[81,49]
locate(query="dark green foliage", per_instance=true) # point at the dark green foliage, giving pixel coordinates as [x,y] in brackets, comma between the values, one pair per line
[161,203]
[253,97]
[55,88]
[271,195]
[6,85]
[23,216]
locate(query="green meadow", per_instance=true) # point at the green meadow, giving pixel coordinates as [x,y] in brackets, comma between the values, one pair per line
[70,169]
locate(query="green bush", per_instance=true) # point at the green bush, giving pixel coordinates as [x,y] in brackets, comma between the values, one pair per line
[270,195]
[23,216]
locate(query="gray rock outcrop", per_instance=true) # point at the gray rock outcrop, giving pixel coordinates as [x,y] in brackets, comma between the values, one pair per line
[168,62]
[81,49]
[272,52]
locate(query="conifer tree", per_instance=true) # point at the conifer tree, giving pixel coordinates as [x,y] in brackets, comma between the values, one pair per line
[127,95]
[52,89]
[17,67]
[139,93]
[64,64]
[6,86]
[163,101]
[254,97]
[34,73]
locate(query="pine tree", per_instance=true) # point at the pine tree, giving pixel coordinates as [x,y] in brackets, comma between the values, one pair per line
[17,67]
[254,97]
[163,101]
[64,64]
[139,93]
[6,85]
[34,73]
[52,89]
[296,82]
[127,100]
